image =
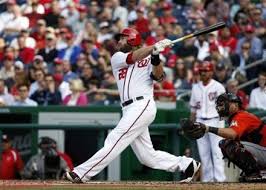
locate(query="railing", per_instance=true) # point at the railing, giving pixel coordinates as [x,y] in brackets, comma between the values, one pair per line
[256,63]
[78,127]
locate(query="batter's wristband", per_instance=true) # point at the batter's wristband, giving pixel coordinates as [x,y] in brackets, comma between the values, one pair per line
[155,60]
[213,130]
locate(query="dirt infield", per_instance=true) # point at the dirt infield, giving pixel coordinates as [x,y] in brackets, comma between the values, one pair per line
[131,185]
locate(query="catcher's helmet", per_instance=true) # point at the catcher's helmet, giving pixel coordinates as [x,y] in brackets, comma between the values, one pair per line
[206,66]
[222,103]
[133,36]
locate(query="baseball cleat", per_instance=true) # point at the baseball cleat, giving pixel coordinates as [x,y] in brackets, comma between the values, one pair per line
[190,172]
[73,177]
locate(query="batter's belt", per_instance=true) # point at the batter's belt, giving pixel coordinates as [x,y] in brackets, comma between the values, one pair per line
[130,101]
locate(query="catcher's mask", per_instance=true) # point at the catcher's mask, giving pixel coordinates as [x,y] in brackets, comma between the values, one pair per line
[222,103]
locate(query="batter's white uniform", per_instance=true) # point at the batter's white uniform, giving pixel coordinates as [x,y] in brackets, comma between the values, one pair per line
[202,103]
[133,81]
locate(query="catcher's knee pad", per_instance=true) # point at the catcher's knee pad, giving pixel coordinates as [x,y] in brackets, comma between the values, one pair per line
[236,153]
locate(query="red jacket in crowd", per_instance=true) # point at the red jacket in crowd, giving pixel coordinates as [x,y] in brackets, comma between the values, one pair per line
[10,164]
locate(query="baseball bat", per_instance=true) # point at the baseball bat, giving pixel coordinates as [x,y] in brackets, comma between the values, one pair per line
[205,30]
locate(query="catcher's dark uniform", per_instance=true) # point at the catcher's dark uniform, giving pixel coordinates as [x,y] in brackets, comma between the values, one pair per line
[251,132]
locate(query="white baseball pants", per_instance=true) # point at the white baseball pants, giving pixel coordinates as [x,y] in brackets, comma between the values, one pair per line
[132,130]
[210,153]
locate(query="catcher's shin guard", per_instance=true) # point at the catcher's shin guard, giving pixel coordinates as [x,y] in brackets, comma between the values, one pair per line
[236,153]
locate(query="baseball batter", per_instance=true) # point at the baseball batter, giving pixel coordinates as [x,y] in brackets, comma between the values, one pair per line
[202,102]
[135,69]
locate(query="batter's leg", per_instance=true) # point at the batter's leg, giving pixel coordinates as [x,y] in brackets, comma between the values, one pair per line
[156,159]
[205,157]
[217,157]
[131,125]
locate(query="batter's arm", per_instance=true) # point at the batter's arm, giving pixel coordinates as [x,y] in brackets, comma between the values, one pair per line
[140,54]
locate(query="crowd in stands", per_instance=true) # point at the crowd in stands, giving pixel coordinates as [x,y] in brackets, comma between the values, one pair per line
[57,52]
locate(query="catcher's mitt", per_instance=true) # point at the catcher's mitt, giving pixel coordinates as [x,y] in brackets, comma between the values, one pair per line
[192,130]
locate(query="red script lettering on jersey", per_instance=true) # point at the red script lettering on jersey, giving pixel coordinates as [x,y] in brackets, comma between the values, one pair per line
[122,73]
[143,62]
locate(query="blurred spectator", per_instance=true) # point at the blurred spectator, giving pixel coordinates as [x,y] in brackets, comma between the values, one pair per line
[39,34]
[77,96]
[259,24]
[195,10]
[71,52]
[29,41]
[49,52]
[61,85]
[78,67]
[26,54]
[165,90]
[187,51]
[232,87]
[79,24]
[47,164]
[33,10]
[20,78]
[90,50]
[255,42]
[23,96]
[258,95]
[39,78]
[203,47]
[227,41]
[142,23]
[2,49]
[7,98]
[70,13]
[7,15]
[131,8]
[221,73]
[89,33]
[38,63]
[14,26]
[51,18]
[8,70]
[167,15]
[262,5]
[219,8]
[47,94]
[120,13]
[195,74]
[239,6]
[109,89]
[87,75]
[105,32]
[239,61]
[11,164]
[32,6]
[181,81]
[67,71]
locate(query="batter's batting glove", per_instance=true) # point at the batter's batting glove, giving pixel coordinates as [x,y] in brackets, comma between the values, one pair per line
[161,45]
[192,130]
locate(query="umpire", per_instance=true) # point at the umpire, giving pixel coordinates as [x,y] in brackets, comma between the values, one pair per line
[244,142]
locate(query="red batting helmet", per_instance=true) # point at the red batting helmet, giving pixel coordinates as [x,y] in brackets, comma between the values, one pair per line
[206,66]
[133,36]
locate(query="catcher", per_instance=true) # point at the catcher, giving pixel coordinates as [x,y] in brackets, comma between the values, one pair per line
[244,142]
